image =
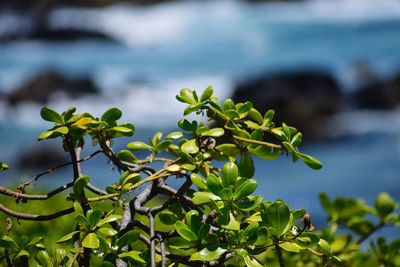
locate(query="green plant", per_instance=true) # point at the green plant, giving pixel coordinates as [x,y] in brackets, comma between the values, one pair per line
[211,219]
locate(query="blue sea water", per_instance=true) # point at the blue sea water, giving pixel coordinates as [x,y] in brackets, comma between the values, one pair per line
[164,48]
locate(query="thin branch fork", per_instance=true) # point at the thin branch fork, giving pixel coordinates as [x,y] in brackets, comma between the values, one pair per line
[35,217]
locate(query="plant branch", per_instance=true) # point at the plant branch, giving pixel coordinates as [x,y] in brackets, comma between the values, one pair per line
[256,142]
[18,195]
[373,230]
[35,217]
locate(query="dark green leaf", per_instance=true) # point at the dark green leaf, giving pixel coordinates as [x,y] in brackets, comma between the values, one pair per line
[230,150]
[184,231]
[214,184]
[279,217]
[384,205]
[51,115]
[128,238]
[310,161]
[80,184]
[246,165]
[111,115]
[245,189]
[43,258]
[126,155]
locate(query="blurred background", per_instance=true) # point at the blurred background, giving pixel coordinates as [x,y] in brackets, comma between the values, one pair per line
[331,68]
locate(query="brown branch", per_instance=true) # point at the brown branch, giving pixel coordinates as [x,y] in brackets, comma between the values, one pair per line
[18,195]
[35,217]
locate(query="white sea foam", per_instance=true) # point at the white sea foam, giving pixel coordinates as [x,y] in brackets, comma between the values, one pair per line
[144,105]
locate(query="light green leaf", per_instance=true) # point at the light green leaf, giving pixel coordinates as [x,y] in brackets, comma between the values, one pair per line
[134,255]
[190,147]
[207,254]
[215,132]
[22,253]
[108,219]
[107,231]
[229,174]
[310,161]
[206,94]
[233,223]
[198,181]
[204,197]
[384,205]
[265,153]
[91,241]
[67,237]
[126,155]
[43,258]
[252,262]
[174,135]
[80,184]
[230,150]
[291,247]
[137,145]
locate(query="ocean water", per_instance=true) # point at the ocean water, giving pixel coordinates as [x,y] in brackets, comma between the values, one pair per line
[193,44]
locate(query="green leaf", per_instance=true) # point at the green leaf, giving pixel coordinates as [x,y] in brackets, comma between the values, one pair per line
[51,115]
[255,115]
[184,231]
[94,217]
[8,242]
[126,155]
[229,104]
[193,220]
[186,96]
[291,247]
[265,153]
[78,208]
[311,162]
[128,238]
[244,108]
[206,94]
[91,241]
[67,237]
[214,184]
[174,135]
[252,125]
[121,131]
[80,184]
[198,181]
[326,248]
[43,258]
[3,166]
[245,189]
[62,130]
[252,262]
[108,219]
[229,174]
[279,217]
[262,236]
[111,115]
[48,135]
[246,165]
[230,150]
[134,255]
[384,205]
[207,254]
[22,253]
[215,132]
[108,231]
[233,223]
[190,147]
[132,178]
[137,145]
[163,145]
[192,108]
[167,217]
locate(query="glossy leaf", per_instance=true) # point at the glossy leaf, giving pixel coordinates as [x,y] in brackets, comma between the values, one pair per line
[111,115]
[265,152]
[167,217]
[51,115]
[94,217]
[252,262]
[138,145]
[174,135]
[206,94]
[126,155]
[108,219]
[229,174]
[134,255]
[207,254]
[310,161]
[128,238]
[190,147]
[245,189]
[214,184]
[91,241]
[215,132]
[291,247]
[246,165]
[80,184]
[184,231]
[279,217]
[230,150]
[67,237]
[198,181]
[43,258]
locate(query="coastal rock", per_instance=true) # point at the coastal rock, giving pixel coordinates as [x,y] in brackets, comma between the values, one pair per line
[303,99]
[42,87]
[41,158]
[378,94]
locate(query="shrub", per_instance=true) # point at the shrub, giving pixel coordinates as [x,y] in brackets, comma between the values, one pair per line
[211,219]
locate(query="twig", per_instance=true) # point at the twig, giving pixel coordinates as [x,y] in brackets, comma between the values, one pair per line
[35,217]
[279,253]
[18,195]
[256,142]
[51,170]
[373,230]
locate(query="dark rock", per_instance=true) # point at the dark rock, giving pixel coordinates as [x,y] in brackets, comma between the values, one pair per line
[41,158]
[43,86]
[378,94]
[302,99]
